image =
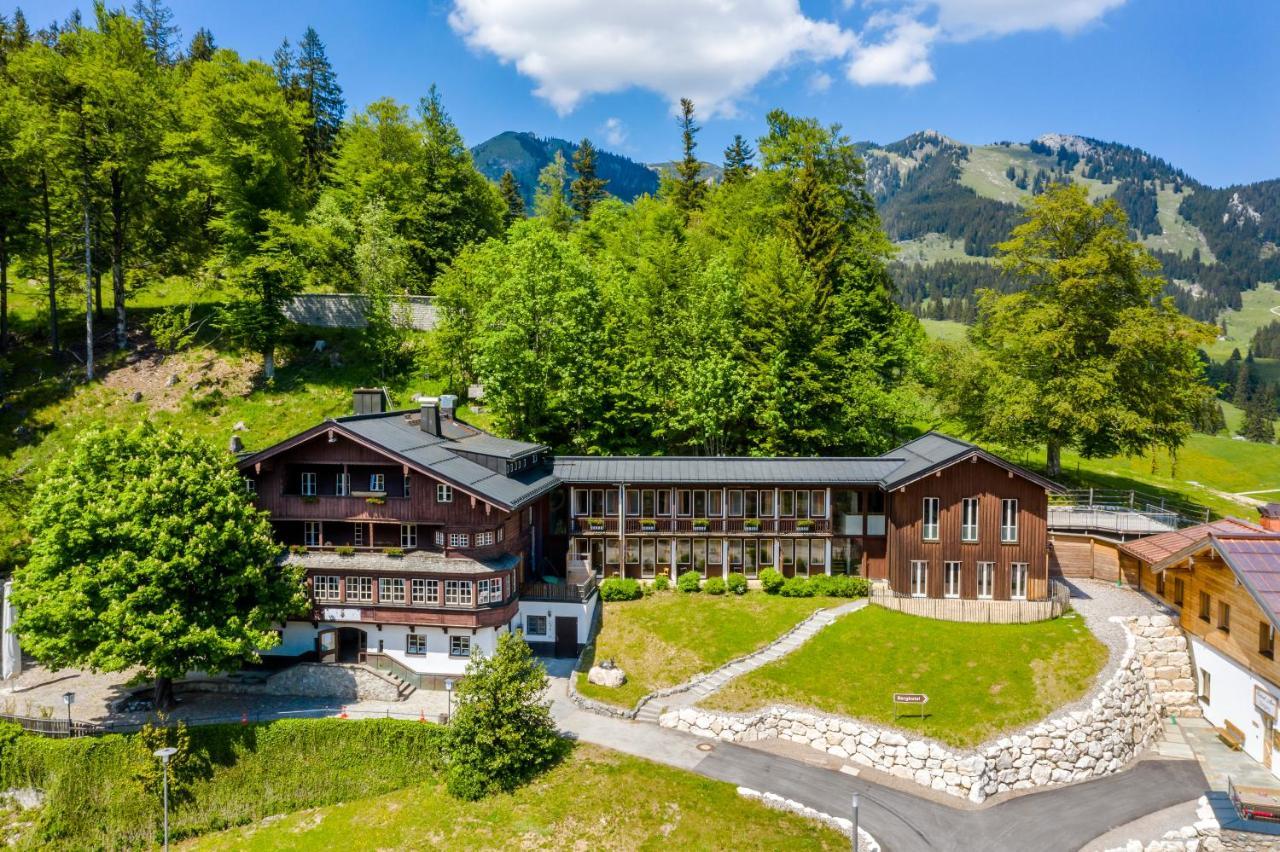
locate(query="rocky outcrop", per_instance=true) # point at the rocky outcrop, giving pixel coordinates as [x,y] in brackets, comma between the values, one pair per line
[1121,720]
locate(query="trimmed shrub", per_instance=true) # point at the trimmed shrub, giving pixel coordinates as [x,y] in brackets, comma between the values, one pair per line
[661,583]
[839,586]
[620,589]
[736,584]
[689,581]
[797,587]
[771,581]
[714,586]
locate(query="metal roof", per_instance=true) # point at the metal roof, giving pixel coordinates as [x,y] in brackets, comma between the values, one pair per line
[723,469]
[1255,559]
[933,451]
[1156,550]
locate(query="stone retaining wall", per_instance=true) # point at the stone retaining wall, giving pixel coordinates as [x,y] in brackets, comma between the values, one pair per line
[345,310]
[316,680]
[1122,719]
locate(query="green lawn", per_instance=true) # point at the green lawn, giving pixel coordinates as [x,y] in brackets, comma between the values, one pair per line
[668,637]
[1255,312]
[981,679]
[597,799]
[932,248]
[947,330]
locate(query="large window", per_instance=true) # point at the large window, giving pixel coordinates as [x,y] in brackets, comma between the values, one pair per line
[735,555]
[766,504]
[633,502]
[415,644]
[311,533]
[425,591]
[611,502]
[951,580]
[457,593]
[969,519]
[359,589]
[327,588]
[986,579]
[489,591]
[919,579]
[818,504]
[459,646]
[787,504]
[484,539]
[929,525]
[459,540]
[408,535]
[535,625]
[664,502]
[715,504]
[390,590]
[342,484]
[308,484]
[715,555]
[444,493]
[648,503]
[612,553]
[802,504]
[1009,521]
[580,498]
[1018,581]
[735,504]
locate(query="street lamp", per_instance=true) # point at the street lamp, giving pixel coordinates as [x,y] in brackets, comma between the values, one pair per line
[68,698]
[165,754]
[448,689]
[855,822]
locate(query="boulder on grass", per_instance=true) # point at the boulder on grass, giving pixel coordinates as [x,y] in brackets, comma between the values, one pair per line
[606,677]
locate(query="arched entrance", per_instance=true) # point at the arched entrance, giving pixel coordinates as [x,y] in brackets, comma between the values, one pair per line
[352,643]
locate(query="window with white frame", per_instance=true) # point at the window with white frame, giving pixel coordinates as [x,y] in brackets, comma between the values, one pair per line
[439,538]
[408,535]
[377,482]
[951,580]
[342,484]
[457,593]
[489,591]
[929,524]
[326,588]
[360,589]
[986,579]
[415,644]
[444,493]
[818,504]
[308,484]
[580,505]
[250,486]
[484,538]
[357,535]
[390,590]
[535,625]
[459,540]
[1009,521]
[459,646]
[404,485]
[311,533]
[1018,581]
[969,519]
[1204,685]
[425,591]
[919,578]
[501,531]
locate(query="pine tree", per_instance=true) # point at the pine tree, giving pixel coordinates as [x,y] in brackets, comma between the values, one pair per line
[159,31]
[549,202]
[285,63]
[319,90]
[202,46]
[1259,418]
[689,189]
[737,160]
[587,188]
[514,202]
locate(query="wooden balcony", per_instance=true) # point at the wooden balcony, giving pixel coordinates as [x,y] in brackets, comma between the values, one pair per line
[325,507]
[708,526]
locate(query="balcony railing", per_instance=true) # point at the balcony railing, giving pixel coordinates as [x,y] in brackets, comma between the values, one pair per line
[326,506]
[711,526]
[561,592]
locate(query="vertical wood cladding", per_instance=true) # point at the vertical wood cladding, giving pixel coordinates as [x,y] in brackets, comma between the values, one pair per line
[990,484]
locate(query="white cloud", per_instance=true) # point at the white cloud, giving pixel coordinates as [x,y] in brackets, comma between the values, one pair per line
[713,51]
[615,132]
[897,38]
[818,83]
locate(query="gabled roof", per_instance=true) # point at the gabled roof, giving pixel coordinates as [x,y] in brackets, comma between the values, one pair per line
[1255,560]
[398,435]
[1161,550]
[934,451]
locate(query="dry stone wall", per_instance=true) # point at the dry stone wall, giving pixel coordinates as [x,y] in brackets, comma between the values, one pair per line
[344,310]
[1122,719]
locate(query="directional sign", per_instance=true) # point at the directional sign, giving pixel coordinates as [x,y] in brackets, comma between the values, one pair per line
[910,698]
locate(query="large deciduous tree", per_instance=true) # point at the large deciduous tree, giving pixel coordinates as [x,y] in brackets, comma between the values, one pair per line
[1088,356]
[147,552]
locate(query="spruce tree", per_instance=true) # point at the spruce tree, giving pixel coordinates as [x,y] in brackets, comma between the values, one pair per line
[514,209]
[737,160]
[587,188]
[159,31]
[202,46]
[318,88]
[689,189]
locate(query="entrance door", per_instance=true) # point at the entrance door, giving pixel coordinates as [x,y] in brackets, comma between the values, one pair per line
[566,636]
[352,644]
[327,645]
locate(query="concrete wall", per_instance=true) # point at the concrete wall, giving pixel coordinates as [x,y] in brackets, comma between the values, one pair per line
[344,310]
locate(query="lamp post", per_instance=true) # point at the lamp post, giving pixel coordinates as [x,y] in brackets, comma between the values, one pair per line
[855,822]
[68,698]
[165,754]
[448,689]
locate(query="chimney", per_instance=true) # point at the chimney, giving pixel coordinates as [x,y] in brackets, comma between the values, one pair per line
[431,418]
[1270,517]
[369,401]
[448,402]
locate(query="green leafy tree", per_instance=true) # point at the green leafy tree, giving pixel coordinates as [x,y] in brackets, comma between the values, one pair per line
[549,203]
[587,188]
[690,190]
[514,203]
[18,198]
[738,159]
[1087,356]
[382,263]
[501,734]
[175,572]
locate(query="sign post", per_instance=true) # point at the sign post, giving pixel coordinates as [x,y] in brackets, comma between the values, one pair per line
[909,698]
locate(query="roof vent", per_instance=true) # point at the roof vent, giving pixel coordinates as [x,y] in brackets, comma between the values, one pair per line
[370,401]
[1270,516]
[431,418]
[448,402]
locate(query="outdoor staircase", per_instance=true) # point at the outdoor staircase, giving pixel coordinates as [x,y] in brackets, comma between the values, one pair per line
[651,711]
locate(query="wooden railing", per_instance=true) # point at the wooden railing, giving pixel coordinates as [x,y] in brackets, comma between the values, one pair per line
[709,526]
[325,507]
[561,592]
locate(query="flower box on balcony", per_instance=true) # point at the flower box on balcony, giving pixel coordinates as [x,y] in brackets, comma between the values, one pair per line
[595,524]
[345,550]
[393,552]
[751,524]
[310,498]
[701,524]
[804,523]
[376,501]
[298,549]
[648,525]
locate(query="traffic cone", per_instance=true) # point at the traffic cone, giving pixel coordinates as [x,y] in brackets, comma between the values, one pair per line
[244,718]
[343,714]
[422,715]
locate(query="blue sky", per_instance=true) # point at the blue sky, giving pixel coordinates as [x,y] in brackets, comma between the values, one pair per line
[1193,82]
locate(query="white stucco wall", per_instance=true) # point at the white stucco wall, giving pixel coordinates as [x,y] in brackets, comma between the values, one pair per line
[581,611]
[1231,697]
[299,638]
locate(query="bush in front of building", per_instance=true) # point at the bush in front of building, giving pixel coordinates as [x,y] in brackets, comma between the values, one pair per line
[796,587]
[771,581]
[661,583]
[737,584]
[620,589]
[689,581]
[839,586]
[714,586]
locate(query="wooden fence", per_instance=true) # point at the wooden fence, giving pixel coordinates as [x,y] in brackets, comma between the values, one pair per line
[979,611]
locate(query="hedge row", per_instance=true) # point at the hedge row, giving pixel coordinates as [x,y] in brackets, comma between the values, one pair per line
[772,581]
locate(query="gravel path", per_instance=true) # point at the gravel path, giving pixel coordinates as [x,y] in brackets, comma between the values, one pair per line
[1097,601]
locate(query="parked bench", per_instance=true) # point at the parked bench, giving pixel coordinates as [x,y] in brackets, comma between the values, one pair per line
[1232,736]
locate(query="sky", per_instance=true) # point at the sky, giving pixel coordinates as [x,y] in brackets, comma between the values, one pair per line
[1196,82]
